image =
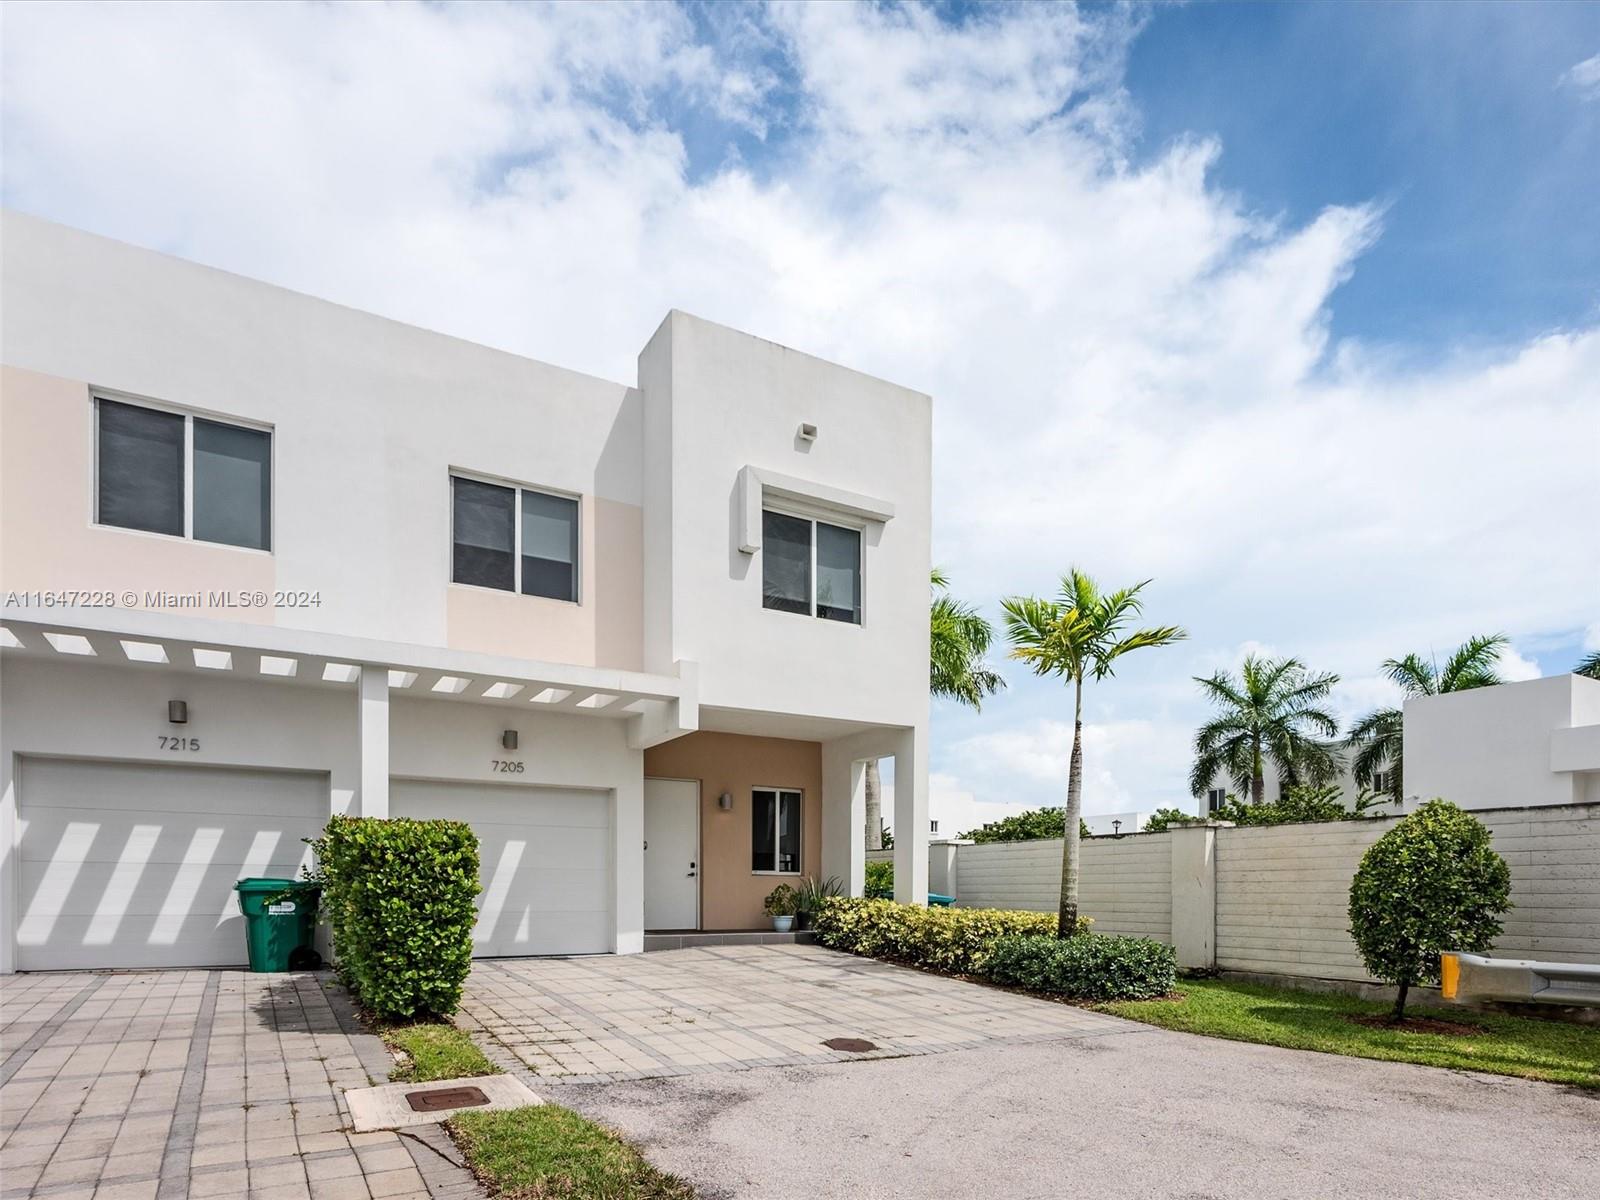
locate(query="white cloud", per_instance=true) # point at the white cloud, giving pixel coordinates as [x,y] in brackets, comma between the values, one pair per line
[1591,637]
[1132,367]
[1584,78]
[1514,668]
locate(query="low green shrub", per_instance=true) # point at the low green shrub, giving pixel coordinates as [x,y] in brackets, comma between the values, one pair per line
[880,880]
[957,940]
[398,895]
[1086,967]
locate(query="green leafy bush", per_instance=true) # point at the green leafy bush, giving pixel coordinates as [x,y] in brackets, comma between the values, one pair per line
[943,939]
[880,880]
[781,901]
[398,895]
[1037,824]
[1086,967]
[1164,818]
[1432,883]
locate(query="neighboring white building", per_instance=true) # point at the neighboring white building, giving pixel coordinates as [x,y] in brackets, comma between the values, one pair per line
[1104,824]
[265,558]
[1531,743]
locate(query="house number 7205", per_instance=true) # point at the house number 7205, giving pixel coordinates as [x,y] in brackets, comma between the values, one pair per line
[179,743]
[505,766]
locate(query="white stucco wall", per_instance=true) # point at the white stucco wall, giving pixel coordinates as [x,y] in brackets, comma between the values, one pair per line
[1493,747]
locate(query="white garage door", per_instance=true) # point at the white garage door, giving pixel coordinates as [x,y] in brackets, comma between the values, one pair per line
[545,856]
[128,865]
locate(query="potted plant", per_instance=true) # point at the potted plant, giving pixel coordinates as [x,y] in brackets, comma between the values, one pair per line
[780,907]
[809,897]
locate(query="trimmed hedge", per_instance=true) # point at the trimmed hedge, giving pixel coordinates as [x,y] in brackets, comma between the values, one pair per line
[957,940]
[398,895]
[1086,967]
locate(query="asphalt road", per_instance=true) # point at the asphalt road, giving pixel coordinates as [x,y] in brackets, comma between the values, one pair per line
[1143,1115]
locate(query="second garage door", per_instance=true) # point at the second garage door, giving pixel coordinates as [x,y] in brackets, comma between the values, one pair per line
[545,857]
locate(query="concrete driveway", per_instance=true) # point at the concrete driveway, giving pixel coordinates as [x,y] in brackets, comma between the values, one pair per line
[711,1060]
[728,1008]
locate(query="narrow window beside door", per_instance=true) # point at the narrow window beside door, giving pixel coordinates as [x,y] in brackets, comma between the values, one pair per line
[775,823]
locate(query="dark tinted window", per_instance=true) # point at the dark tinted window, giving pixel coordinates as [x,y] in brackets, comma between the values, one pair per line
[549,546]
[484,528]
[785,563]
[838,573]
[140,468]
[232,485]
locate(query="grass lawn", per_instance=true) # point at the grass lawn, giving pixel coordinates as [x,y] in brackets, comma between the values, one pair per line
[551,1153]
[1246,1012]
[437,1051]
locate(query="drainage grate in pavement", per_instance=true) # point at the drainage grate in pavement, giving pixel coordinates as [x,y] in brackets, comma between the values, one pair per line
[850,1045]
[439,1098]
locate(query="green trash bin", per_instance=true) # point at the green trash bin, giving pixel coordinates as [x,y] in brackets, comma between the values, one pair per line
[280,918]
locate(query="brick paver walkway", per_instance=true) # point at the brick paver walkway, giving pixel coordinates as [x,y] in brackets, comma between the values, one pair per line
[720,1008]
[164,1085]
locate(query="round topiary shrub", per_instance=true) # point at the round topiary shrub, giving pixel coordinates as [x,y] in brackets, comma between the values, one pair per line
[1431,884]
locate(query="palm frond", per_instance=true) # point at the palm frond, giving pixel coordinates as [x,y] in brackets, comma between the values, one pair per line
[1589,668]
[1474,664]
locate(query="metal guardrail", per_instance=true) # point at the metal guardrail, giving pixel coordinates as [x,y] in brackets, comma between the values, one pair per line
[1471,978]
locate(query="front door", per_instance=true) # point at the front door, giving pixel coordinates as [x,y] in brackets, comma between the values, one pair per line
[671,854]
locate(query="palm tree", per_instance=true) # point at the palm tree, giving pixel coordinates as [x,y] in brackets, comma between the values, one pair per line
[1080,633]
[1270,712]
[1378,739]
[959,638]
[1589,667]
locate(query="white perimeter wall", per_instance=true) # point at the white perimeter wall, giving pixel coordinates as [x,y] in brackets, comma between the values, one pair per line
[1282,893]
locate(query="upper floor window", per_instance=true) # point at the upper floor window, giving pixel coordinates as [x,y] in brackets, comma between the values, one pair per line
[1380,781]
[514,539]
[1215,799]
[183,475]
[810,567]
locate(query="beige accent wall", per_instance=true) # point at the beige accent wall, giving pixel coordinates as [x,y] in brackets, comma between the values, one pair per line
[730,893]
[48,541]
[605,627]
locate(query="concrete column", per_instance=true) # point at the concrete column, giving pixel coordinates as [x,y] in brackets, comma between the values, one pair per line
[944,859]
[373,734]
[1194,894]
[844,815]
[627,874]
[911,816]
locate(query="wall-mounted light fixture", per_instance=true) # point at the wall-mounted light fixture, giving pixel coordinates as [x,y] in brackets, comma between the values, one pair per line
[178,712]
[808,432]
[725,801]
[508,739]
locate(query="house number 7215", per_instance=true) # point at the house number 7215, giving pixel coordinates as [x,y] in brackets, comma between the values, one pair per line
[179,743]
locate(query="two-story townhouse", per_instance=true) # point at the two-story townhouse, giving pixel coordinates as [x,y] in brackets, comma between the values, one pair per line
[266,558]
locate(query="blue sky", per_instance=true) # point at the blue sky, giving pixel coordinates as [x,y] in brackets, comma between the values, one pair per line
[1293,309]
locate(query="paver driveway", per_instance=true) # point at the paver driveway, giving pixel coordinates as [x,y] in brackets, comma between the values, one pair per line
[720,1008]
[171,1084]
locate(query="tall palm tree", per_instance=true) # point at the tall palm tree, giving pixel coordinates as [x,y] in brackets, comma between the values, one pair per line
[1079,634]
[1271,711]
[959,638]
[1378,739]
[1589,667]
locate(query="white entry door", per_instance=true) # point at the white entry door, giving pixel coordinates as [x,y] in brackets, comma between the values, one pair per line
[671,854]
[545,858]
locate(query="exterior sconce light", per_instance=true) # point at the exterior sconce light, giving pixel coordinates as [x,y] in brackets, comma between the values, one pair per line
[808,432]
[508,739]
[725,801]
[178,712]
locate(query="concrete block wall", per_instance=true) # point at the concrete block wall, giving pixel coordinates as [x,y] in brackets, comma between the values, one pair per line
[1274,900]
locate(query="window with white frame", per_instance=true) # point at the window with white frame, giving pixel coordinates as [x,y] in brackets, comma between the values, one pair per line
[810,567]
[514,539]
[1215,799]
[1380,781]
[164,471]
[775,823]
